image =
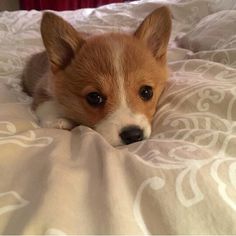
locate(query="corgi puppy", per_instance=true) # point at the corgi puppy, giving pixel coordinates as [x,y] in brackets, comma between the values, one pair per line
[109,82]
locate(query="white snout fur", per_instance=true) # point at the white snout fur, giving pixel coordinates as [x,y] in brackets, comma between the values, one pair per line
[110,127]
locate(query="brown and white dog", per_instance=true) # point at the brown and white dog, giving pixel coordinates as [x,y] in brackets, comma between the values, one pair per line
[110,82]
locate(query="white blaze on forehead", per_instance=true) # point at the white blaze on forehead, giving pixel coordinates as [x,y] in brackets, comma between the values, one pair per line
[117,52]
[123,116]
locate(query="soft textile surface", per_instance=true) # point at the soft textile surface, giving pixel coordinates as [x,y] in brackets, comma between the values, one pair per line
[207,34]
[181,181]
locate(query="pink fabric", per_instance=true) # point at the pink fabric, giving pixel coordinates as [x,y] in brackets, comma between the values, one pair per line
[60,5]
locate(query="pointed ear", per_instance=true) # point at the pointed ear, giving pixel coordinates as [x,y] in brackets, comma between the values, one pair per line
[155,31]
[60,39]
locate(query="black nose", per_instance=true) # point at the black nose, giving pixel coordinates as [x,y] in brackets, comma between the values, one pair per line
[131,134]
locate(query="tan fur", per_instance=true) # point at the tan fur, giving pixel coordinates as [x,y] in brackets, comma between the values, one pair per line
[74,66]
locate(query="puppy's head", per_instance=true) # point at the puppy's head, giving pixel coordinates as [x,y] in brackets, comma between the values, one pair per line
[111,82]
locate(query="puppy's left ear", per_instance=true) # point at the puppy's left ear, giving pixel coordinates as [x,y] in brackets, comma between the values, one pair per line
[155,32]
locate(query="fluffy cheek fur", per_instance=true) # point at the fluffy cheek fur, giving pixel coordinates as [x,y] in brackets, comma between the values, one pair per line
[74,105]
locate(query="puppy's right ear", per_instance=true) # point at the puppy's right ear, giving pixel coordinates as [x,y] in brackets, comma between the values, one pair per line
[60,39]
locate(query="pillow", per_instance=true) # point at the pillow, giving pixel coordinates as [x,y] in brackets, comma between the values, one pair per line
[216,31]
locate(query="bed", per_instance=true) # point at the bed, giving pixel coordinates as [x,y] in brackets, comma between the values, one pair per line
[180,181]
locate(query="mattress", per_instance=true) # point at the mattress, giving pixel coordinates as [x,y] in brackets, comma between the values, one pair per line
[180,181]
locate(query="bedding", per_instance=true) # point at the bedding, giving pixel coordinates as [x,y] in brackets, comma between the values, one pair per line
[180,181]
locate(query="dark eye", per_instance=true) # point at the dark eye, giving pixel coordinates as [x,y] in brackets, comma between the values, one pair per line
[95,99]
[146,92]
